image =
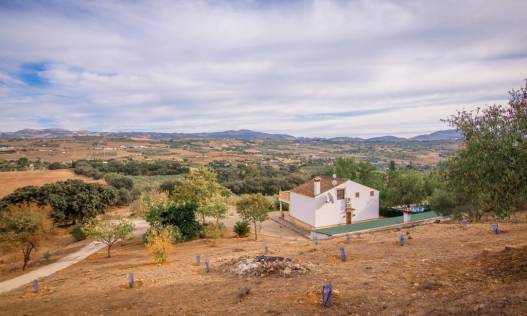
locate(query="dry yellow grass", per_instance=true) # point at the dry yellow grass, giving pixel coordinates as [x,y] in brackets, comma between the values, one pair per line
[10,181]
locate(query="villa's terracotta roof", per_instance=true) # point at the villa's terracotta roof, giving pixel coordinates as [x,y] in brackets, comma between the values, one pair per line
[307,188]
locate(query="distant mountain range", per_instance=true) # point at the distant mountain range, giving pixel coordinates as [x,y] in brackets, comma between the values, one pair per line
[242,134]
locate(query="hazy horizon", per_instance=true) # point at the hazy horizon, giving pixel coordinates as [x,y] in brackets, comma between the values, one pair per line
[303,68]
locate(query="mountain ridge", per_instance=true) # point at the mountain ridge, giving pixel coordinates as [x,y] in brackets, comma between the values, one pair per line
[241,134]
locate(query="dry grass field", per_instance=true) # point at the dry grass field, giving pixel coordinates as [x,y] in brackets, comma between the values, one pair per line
[443,269]
[202,151]
[10,181]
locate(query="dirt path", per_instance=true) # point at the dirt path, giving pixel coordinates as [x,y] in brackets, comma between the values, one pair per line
[8,285]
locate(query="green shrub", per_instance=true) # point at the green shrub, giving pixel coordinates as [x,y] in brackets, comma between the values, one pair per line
[77,233]
[46,256]
[181,215]
[123,197]
[242,228]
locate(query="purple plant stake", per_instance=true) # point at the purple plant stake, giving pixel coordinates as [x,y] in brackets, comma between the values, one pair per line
[207,265]
[464,223]
[495,229]
[131,281]
[348,239]
[342,254]
[198,260]
[402,239]
[358,235]
[36,286]
[327,291]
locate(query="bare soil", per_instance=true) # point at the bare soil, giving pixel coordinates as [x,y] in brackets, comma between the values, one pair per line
[443,269]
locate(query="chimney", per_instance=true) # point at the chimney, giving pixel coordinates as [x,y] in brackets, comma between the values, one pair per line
[316,186]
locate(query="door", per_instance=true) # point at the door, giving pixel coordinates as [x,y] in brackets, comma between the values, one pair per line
[348,217]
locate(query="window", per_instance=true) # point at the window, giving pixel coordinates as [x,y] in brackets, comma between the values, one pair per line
[357,194]
[341,194]
[372,193]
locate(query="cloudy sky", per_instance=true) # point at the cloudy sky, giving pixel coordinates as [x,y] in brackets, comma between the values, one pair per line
[306,68]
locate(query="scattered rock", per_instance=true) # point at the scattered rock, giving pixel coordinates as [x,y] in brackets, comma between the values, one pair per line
[266,265]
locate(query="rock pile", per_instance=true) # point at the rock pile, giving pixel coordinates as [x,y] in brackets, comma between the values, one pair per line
[266,265]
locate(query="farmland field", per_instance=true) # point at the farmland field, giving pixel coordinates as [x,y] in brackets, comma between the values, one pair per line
[10,181]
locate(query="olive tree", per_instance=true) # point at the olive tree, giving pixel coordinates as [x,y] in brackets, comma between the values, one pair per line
[253,208]
[109,233]
[24,228]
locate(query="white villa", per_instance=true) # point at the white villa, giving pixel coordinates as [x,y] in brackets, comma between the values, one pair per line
[325,201]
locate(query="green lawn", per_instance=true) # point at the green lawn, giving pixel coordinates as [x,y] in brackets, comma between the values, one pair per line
[375,223]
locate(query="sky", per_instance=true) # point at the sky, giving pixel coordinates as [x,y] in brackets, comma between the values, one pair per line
[305,68]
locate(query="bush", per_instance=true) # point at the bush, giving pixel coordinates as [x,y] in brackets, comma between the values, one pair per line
[119,182]
[47,256]
[159,245]
[57,165]
[242,228]
[212,231]
[390,212]
[181,215]
[124,197]
[175,234]
[77,233]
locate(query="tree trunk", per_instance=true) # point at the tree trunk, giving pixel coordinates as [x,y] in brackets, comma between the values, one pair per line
[109,247]
[255,233]
[27,255]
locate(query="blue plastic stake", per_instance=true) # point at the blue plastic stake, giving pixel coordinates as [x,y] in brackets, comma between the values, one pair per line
[342,254]
[207,265]
[402,239]
[327,292]
[198,260]
[36,286]
[131,281]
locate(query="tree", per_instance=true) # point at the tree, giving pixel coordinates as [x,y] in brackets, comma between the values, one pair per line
[253,208]
[109,233]
[490,170]
[200,187]
[180,215]
[392,165]
[22,163]
[405,188]
[216,208]
[24,229]
[442,202]
[363,172]
[76,201]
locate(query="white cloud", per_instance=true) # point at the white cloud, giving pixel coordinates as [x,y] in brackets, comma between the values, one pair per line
[389,67]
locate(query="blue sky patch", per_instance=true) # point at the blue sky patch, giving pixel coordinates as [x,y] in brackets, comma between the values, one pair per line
[31,74]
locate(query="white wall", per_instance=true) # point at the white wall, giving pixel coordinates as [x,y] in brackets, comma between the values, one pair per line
[302,207]
[318,213]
